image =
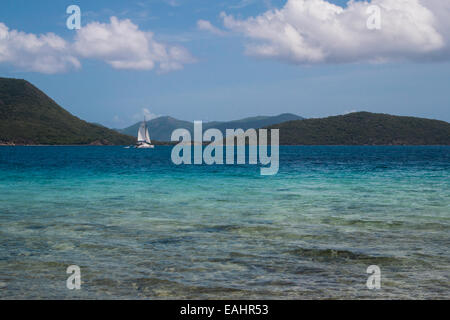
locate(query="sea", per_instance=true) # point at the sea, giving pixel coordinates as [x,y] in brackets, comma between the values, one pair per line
[140,227]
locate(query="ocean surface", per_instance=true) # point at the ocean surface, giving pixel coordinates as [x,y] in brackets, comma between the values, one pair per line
[140,227]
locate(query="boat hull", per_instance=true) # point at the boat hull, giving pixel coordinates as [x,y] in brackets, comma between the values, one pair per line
[145,146]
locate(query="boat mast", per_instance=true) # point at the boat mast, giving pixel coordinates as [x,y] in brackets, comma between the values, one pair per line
[145,121]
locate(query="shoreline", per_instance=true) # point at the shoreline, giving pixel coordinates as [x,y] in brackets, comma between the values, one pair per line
[281,145]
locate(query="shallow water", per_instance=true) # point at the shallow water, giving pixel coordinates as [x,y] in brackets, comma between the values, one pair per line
[141,228]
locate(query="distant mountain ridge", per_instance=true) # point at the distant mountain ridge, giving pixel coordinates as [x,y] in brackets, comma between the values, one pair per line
[364,128]
[29,116]
[161,128]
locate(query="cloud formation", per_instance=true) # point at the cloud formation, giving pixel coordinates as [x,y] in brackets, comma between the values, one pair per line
[145,113]
[317,31]
[120,43]
[46,53]
[205,25]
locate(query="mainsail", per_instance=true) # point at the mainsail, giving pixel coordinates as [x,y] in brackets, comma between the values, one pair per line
[144,141]
[147,136]
[142,135]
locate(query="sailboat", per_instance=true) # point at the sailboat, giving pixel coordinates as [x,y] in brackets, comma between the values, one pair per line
[143,140]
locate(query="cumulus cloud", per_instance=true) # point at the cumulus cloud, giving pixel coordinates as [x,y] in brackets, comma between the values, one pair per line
[172,3]
[122,45]
[241,4]
[205,25]
[145,113]
[46,53]
[317,31]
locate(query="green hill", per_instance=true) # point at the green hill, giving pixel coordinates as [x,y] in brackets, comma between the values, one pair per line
[364,128]
[29,116]
[252,123]
[161,128]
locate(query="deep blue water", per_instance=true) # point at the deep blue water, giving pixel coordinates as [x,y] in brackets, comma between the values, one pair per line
[141,227]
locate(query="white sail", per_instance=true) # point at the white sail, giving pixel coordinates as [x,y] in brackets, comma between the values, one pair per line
[141,133]
[143,141]
[147,137]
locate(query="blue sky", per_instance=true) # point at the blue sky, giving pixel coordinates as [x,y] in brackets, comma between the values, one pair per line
[223,81]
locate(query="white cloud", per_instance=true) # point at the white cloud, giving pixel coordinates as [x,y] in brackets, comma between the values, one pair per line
[45,53]
[145,113]
[241,4]
[207,26]
[119,43]
[441,11]
[317,31]
[122,45]
[172,3]
[149,115]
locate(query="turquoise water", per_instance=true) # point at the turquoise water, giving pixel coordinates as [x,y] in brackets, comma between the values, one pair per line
[141,228]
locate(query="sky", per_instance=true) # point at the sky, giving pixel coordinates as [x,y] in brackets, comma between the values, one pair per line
[223,60]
